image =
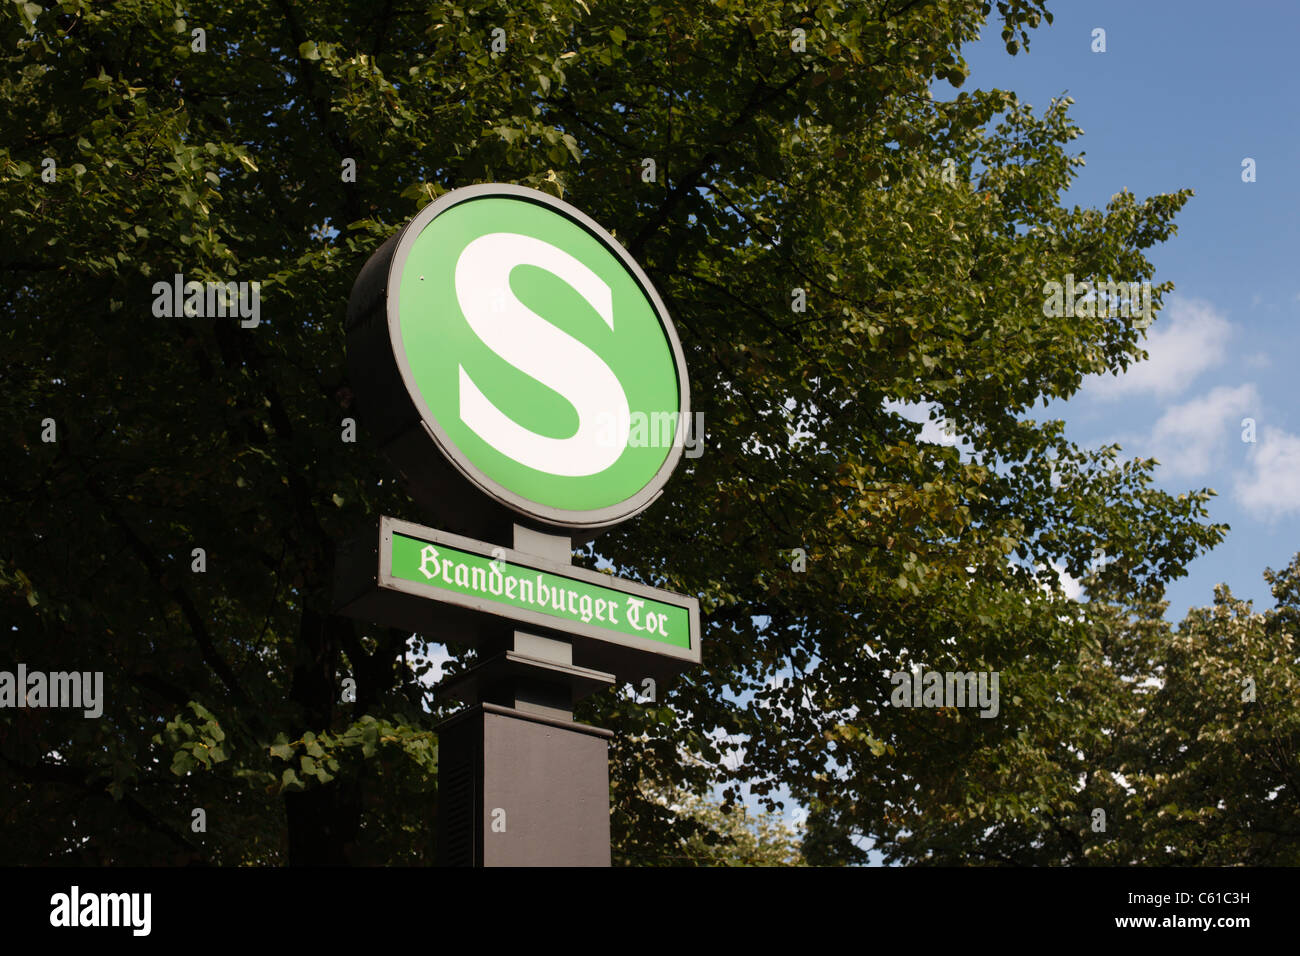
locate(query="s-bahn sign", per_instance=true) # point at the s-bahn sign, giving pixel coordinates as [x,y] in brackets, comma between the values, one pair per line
[519,367]
[517,363]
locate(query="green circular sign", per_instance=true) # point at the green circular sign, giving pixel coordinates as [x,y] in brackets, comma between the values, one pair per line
[538,354]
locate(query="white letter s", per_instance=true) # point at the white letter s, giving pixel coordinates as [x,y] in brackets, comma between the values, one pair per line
[540,350]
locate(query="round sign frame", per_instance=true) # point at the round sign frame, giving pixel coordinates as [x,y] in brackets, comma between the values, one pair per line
[381,279]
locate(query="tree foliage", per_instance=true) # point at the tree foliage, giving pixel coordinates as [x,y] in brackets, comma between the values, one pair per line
[1148,744]
[722,835]
[795,147]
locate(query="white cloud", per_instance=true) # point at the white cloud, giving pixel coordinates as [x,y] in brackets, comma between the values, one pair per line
[1271,488]
[919,412]
[1189,337]
[1188,437]
[1073,589]
[439,657]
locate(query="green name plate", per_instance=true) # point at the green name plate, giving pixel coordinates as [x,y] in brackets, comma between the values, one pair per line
[561,597]
[456,589]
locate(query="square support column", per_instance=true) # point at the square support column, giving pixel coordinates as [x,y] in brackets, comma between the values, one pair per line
[522,789]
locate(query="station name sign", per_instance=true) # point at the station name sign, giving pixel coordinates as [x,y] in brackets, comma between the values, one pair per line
[444,569]
[612,622]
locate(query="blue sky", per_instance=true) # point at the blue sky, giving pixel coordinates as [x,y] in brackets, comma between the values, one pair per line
[1184,92]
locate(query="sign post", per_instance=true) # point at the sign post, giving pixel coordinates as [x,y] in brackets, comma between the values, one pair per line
[521,372]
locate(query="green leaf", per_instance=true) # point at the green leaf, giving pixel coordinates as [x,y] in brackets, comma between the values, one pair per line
[281,748]
[201,711]
[182,763]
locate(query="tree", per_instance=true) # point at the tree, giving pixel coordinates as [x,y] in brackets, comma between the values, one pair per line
[797,163]
[725,836]
[1209,773]
[1152,745]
